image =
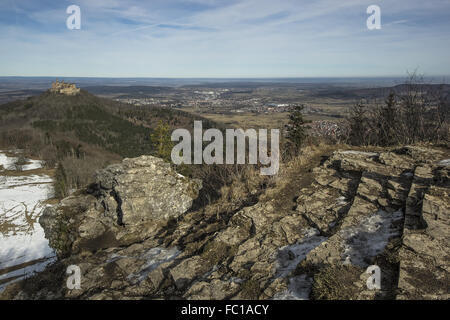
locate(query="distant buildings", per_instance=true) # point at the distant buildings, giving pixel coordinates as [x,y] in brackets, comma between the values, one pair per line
[64,88]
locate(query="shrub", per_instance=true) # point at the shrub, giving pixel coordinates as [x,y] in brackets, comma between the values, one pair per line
[162,142]
[295,131]
[60,185]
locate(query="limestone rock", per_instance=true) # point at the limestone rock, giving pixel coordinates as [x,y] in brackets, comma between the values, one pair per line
[129,202]
[355,209]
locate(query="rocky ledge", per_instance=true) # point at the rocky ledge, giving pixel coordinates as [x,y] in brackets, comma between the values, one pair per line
[128,203]
[133,237]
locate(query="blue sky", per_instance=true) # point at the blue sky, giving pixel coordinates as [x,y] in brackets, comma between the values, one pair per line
[224,38]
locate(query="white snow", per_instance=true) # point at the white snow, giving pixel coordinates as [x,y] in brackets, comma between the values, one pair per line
[299,289]
[290,256]
[21,236]
[22,272]
[340,201]
[370,237]
[32,165]
[445,162]
[8,163]
[288,259]
[154,257]
[408,174]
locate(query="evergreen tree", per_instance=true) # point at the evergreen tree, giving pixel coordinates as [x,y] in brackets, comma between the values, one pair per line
[358,125]
[295,131]
[161,141]
[60,182]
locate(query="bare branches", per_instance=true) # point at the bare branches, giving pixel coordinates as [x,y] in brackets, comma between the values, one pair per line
[414,112]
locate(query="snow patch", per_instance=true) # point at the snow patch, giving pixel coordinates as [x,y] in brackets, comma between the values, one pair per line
[288,259]
[299,289]
[340,201]
[154,257]
[8,163]
[445,162]
[21,236]
[290,256]
[408,174]
[370,237]
[32,165]
[19,274]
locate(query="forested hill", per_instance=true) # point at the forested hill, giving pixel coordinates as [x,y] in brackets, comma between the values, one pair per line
[83,132]
[117,127]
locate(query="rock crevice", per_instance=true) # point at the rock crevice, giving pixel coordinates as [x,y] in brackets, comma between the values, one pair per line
[355,209]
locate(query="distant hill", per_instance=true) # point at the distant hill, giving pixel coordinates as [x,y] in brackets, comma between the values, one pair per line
[83,132]
[83,117]
[117,127]
[380,92]
[143,90]
[8,96]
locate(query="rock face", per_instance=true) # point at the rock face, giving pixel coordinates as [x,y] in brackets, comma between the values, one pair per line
[64,88]
[128,203]
[312,237]
[425,255]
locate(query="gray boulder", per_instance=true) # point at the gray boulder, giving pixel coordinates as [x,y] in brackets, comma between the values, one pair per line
[128,203]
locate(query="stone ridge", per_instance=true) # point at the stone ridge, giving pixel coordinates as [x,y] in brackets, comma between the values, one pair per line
[128,203]
[388,208]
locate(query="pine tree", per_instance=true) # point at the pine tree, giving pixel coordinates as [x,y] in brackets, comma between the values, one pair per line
[161,141]
[295,131]
[358,125]
[60,182]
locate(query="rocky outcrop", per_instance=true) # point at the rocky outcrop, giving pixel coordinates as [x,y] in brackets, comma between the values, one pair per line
[425,254]
[128,203]
[311,236]
[62,87]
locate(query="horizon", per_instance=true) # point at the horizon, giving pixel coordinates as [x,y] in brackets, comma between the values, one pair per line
[228,78]
[44,82]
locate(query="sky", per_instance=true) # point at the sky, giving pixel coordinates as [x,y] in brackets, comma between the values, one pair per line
[224,38]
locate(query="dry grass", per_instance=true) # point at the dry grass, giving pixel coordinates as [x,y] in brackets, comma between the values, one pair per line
[40,171]
[336,282]
[246,120]
[250,290]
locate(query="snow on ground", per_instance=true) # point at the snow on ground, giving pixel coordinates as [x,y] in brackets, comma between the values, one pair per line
[370,237]
[299,289]
[365,240]
[154,257]
[290,256]
[354,152]
[32,165]
[8,162]
[341,201]
[288,259]
[445,162]
[24,248]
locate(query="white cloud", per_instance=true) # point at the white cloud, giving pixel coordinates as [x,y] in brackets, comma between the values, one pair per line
[230,38]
